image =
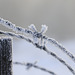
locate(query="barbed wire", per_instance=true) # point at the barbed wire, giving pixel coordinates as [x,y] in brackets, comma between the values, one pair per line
[29,65]
[40,47]
[36,35]
[54,42]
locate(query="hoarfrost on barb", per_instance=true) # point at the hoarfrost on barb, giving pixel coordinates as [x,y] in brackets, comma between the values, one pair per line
[32,27]
[38,36]
[44,28]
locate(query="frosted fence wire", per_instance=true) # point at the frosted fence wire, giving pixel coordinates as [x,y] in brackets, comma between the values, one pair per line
[22,30]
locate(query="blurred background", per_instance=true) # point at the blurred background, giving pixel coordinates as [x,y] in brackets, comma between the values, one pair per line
[58,15]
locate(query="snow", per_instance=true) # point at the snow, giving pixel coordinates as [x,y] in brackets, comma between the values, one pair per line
[26,52]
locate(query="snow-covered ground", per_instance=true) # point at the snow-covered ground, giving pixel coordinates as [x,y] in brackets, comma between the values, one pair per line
[26,52]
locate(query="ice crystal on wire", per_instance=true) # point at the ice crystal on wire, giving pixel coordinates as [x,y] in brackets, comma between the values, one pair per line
[44,28]
[38,36]
[32,27]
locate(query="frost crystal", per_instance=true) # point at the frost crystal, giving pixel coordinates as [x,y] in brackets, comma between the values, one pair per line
[32,27]
[38,36]
[44,28]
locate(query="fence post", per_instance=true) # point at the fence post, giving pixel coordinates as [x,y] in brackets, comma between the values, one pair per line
[5,56]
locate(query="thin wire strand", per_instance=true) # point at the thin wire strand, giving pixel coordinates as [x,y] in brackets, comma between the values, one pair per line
[35,66]
[40,47]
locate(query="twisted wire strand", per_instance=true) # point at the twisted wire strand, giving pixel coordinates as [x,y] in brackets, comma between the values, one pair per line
[35,66]
[15,28]
[61,60]
[40,47]
[54,42]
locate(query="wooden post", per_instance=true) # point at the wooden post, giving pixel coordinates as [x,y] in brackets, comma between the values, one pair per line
[5,56]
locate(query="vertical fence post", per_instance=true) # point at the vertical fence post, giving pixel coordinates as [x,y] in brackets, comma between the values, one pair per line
[5,56]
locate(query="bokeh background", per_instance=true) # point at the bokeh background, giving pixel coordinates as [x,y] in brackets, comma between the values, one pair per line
[58,15]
